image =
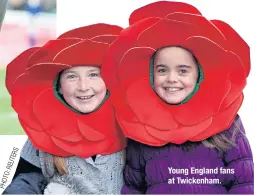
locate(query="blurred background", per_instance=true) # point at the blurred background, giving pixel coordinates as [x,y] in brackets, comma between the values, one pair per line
[27,23]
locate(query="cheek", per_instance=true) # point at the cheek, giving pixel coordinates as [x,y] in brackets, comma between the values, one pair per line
[158,80]
[68,89]
[190,82]
[99,87]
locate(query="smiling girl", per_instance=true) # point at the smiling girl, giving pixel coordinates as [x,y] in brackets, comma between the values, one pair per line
[65,108]
[180,85]
[175,74]
[82,87]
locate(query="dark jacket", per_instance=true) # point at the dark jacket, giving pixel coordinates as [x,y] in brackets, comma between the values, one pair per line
[150,169]
[28,179]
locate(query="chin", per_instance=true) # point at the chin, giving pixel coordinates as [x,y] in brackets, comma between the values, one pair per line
[173,101]
[87,110]
[84,110]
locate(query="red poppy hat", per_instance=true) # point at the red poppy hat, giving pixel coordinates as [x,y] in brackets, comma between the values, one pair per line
[51,124]
[13,70]
[224,60]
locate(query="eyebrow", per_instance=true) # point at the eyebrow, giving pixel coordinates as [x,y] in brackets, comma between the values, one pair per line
[184,66]
[69,71]
[73,71]
[94,70]
[161,66]
[179,66]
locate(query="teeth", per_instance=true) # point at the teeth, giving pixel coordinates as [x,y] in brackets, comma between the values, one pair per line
[85,97]
[172,89]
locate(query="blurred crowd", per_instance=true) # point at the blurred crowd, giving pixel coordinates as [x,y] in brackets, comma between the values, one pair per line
[27,23]
[45,5]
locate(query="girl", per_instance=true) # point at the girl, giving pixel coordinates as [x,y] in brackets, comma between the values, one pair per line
[81,149]
[181,79]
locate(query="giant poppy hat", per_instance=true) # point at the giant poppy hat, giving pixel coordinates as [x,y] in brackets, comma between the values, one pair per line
[225,62]
[50,124]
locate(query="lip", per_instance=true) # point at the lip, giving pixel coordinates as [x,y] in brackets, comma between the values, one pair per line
[172,89]
[85,97]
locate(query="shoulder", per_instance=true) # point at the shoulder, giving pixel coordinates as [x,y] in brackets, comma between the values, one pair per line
[38,158]
[242,149]
[134,147]
[137,151]
[30,154]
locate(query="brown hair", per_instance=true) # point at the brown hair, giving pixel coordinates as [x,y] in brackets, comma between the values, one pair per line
[221,141]
[60,165]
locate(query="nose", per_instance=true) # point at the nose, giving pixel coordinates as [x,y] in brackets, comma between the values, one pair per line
[83,85]
[172,77]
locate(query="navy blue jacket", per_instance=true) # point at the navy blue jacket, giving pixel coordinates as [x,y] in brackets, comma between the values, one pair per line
[28,179]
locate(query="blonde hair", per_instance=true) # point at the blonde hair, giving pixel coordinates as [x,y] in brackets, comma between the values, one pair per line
[221,141]
[60,165]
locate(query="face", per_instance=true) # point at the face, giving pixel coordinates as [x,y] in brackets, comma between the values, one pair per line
[82,88]
[175,74]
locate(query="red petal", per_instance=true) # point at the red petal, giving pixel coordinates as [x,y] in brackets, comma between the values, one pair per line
[235,91]
[162,30]
[47,53]
[221,121]
[56,119]
[149,110]
[105,38]
[138,132]
[237,73]
[236,43]
[43,74]
[180,135]
[17,67]
[117,145]
[161,9]
[22,102]
[83,148]
[204,26]
[88,32]
[43,141]
[90,133]
[84,53]
[74,137]
[135,65]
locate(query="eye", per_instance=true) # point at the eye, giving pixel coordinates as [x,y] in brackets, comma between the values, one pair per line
[94,75]
[183,71]
[162,70]
[72,76]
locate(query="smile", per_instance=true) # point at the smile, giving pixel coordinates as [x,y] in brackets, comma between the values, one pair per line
[85,97]
[172,89]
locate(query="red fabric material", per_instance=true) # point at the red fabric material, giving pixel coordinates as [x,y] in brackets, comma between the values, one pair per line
[140,112]
[49,124]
